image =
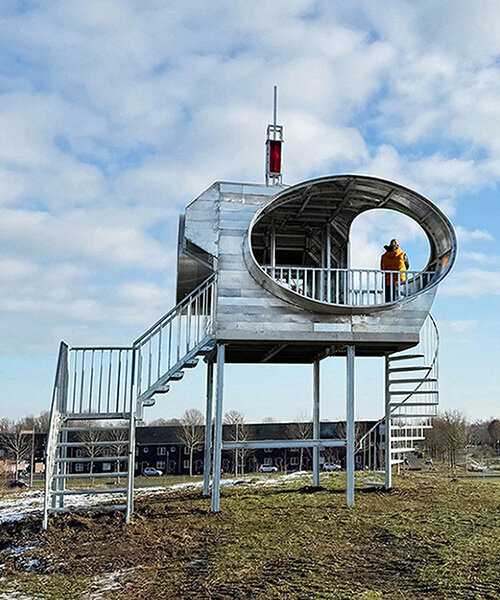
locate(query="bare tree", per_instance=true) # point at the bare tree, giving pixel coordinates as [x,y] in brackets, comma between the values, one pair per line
[116,446]
[238,432]
[15,443]
[302,429]
[191,433]
[494,434]
[269,420]
[89,439]
[164,422]
[448,436]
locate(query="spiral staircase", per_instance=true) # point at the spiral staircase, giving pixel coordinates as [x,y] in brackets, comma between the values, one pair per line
[411,401]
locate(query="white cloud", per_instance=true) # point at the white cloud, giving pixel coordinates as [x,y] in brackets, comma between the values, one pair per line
[465,235]
[472,282]
[457,327]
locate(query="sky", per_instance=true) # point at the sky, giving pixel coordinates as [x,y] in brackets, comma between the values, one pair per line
[114,114]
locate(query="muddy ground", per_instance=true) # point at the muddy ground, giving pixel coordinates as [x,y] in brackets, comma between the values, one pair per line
[431,538]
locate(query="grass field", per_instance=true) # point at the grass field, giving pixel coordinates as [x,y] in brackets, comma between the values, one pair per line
[430,538]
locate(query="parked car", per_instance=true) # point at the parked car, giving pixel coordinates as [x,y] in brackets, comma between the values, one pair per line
[268,469]
[152,472]
[331,467]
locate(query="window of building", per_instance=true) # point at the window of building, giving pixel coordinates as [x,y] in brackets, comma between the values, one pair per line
[136,465]
[162,451]
[294,460]
[186,450]
[268,461]
[137,451]
[160,464]
[186,464]
[79,467]
[172,448]
[79,453]
[294,449]
[106,466]
[268,449]
[146,450]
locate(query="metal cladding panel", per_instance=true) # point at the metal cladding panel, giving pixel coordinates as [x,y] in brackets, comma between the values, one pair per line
[251,315]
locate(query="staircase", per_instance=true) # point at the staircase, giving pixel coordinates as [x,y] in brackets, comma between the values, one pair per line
[411,401]
[100,394]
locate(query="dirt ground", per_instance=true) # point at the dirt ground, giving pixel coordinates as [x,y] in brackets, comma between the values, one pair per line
[431,538]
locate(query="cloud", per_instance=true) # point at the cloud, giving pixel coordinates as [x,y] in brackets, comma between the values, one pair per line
[457,327]
[472,282]
[465,235]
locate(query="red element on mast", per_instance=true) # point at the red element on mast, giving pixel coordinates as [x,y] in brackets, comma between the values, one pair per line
[275,157]
[274,147]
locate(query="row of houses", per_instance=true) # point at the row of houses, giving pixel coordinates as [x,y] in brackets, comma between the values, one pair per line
[165,449]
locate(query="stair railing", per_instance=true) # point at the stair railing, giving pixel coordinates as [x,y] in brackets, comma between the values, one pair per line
[173,338]
[429,347]
[100,381]
[59,399]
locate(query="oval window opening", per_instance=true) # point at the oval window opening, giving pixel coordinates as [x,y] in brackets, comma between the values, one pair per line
[375,228]
[319,244]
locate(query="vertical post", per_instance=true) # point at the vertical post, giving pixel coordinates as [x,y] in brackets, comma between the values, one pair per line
[207,459]
[63,452]
[273,250]
[328,264]
[388,437]
[350,425]
[218,429]
[32,461]
[275,106]
[134,379]
[316,422]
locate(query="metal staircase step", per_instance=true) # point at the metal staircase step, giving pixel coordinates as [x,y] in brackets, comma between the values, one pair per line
[148,402]
[423,404]
[163,390]
[411,416]
[204,350]
[406,357]
[114,416]
[89,476]
[86,459]
[191,363]
[412,392]
[100,508]
[77,429]
[411,368]
[177,376]
[100,443]
[88,492]
[399,450]
[413,380]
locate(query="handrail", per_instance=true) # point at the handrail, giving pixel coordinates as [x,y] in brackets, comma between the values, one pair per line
[175,337]
[176,308]
[350,287]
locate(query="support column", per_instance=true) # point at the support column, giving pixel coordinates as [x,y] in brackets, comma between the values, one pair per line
[207,458]
[218,429]
[388,436]
[350,425]
[316,422]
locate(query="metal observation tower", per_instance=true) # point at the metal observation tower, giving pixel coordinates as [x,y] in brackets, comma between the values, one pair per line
[263,276]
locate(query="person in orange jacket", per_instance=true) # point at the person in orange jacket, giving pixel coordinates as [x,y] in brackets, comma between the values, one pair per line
[394,259]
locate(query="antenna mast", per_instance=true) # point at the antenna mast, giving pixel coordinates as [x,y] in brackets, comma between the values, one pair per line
[274,147]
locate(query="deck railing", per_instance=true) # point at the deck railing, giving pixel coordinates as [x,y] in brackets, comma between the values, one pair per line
[350,287]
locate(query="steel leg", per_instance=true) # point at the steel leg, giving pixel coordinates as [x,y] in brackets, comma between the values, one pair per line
[218,429]
[350,425]
[207,460]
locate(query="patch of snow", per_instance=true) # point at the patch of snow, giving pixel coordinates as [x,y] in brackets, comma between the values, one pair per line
[30,503]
